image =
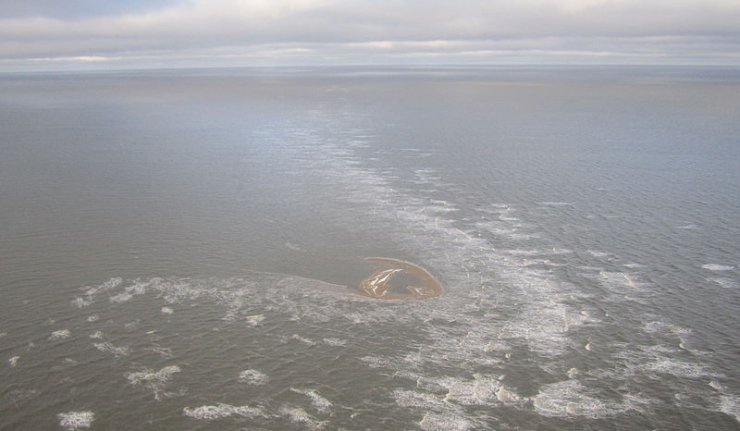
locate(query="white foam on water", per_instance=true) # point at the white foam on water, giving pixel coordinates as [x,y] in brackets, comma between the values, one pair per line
[137,288]
[60,334]
[730,405]
[164,352]
[717,267]
[97,335]
[445,422]
[597,253]
[570,398]
[253,377]
[76,420]
[561,251]
[93,318]
[377,362]
[482,390]
[154,380]
[82,302]
[255,319]
[665,328]
[319,403]
[524,252]
[422,400]
[303,340]
[726,283]
[3,334]
[116,351]
[620,281]
[166,310]
[689,226]
[716,386]
[335,342]
[108,285]
[678,368]
[556,204]
[13,361]
[299,416]
[220,411]
[121,298]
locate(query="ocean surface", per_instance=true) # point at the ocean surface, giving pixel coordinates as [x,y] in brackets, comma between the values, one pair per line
[184,249]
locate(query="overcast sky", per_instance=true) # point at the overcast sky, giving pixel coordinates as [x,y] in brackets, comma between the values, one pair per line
[48,34]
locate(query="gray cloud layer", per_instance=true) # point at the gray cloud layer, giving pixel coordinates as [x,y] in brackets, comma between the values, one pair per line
[38,33]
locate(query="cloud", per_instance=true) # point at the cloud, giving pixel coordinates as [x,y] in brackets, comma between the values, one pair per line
[335,31]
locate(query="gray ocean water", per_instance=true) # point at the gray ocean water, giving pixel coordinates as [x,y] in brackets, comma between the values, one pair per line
[181,249]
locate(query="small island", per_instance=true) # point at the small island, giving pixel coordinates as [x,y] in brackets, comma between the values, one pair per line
[396,279]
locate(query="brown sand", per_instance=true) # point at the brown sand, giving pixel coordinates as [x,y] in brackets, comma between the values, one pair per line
[379,284]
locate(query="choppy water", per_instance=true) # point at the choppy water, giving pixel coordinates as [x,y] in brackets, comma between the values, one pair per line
[175,249]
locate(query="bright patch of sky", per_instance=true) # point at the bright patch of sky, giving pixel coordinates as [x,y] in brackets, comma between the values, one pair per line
[44,34]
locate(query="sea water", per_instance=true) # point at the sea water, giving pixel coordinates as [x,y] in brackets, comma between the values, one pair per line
[184,249]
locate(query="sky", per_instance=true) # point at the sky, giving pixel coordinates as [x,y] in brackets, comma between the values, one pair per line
[115,34]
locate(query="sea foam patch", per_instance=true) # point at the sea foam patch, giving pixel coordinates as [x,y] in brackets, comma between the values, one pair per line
[319,403]
[253,377]
[725,282]
[299,416]
[60,334]
[571,398]
[445,422]
[221,411]
[110,348]
[76,420]
[730,405]
[717,267]
[154,380]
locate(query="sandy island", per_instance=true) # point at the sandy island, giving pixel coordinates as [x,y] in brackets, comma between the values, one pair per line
[380,285]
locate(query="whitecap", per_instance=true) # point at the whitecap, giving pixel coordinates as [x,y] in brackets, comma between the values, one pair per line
[303,340]
[153,380]
[570,398]
[726,283]
[335,342]
[75,420]
[253,377]
[556,204]
[13,361]
[110,348]
[321,404]
[300,416]
[420,400]
[60,334]
[730,405]
[108,285]
[717,267]
[445,422]
[167,310]
[121,298]
[82,302]
[220,411]
[255,319]
[678,368]
[482,390]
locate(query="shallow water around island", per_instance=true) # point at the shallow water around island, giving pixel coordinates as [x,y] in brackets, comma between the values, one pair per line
[187,250]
